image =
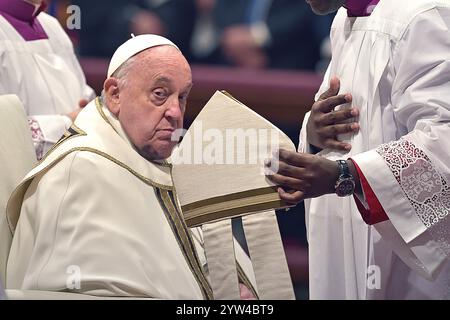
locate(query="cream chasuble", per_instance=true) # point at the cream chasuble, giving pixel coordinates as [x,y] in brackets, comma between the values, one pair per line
[396,64]
[97,218]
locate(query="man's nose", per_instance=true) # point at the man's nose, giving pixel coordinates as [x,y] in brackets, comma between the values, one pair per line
[174,109]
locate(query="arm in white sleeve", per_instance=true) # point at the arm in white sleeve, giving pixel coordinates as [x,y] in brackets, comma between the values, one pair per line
[411,176]
[63,45]
[87,92]
[46,130]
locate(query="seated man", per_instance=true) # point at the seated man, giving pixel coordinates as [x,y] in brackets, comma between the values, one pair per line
[99,214]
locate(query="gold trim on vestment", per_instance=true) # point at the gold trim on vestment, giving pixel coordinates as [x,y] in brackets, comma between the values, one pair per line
[123,165]
[186,243]
[181,217]
[163,164]
[87,149]
[244,280]
[253,207]
[66,136]
[99,106]
[229,197]
[231,205]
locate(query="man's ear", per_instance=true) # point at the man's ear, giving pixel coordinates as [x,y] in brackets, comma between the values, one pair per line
[112,95]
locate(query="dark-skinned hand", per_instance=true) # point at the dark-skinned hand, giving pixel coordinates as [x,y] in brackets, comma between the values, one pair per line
[302,175]
[325,123]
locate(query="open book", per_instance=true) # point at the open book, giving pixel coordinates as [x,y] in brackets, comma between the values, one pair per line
[218,168]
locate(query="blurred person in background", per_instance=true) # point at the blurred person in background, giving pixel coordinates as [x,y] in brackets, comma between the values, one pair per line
[39,66]
[108,23]
[281,34]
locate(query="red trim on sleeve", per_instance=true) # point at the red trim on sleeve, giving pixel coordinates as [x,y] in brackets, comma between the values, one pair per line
[376,213]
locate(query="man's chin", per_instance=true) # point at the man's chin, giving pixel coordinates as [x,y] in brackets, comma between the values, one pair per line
[160,152]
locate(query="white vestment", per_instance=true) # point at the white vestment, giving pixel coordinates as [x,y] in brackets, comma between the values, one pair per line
[97,218]
[45,75]
[396,64]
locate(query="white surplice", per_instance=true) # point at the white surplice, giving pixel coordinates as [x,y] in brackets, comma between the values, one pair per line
[45,75]
[97,218]
[396,64]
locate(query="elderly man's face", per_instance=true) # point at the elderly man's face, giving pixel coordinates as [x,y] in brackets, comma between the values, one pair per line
[325,6]
[152,102]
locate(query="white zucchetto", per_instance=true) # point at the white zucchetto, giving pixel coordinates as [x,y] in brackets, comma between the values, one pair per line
[133,46]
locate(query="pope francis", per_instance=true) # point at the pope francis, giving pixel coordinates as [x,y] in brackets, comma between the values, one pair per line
[99,214]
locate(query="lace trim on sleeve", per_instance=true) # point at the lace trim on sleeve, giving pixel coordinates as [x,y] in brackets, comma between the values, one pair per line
[425,188]
[37,137]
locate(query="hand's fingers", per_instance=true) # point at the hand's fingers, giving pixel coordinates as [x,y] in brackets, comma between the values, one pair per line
[337,145]
[332,90]
[293,158]
[291,198]
[336,117]
[291,171]
[335,129]
[287,182]
[329,104]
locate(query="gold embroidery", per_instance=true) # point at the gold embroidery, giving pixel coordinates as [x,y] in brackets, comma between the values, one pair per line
[88,149]
[187,243]
[162,164]
[230,197]
[123,165]
[244,280]
[231,209]
[99,105]
[66,136]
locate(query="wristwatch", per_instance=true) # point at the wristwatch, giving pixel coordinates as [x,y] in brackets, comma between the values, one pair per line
[345,184]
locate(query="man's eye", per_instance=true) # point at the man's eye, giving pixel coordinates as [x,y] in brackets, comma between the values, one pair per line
[159,93]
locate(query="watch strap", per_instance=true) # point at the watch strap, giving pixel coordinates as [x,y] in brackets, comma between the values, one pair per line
[343,167]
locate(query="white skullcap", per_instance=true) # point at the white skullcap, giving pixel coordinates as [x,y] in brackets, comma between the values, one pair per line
[133,46]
